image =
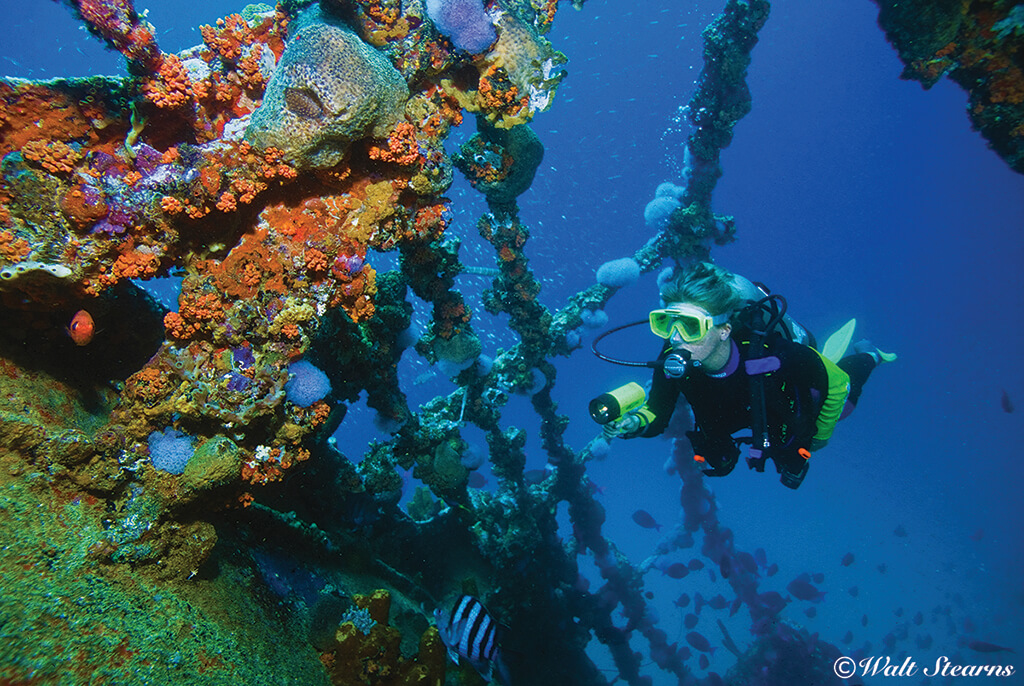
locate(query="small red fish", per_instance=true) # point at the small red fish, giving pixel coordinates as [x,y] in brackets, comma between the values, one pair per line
[81,328]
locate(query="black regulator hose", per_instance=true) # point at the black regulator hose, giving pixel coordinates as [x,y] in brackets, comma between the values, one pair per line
[625,363]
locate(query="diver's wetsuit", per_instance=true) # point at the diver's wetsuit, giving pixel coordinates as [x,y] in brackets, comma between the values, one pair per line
[805,395]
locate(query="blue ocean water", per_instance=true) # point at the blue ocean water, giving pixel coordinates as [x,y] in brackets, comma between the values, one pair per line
[855,194]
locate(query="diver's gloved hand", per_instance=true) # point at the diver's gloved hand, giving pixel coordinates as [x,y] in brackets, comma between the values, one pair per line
[792,463]
[622,426]
[720,455]
[816,444]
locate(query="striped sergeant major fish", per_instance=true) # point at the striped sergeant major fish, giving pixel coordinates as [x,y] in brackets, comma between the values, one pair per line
[470,632]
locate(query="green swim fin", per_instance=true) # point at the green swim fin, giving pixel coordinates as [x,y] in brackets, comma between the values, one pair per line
[836,345]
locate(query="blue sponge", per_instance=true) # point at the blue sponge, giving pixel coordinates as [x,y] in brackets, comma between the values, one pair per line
[465,22]
[170,450]
[307,385]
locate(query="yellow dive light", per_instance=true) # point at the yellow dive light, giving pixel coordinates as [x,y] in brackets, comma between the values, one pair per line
[609,406]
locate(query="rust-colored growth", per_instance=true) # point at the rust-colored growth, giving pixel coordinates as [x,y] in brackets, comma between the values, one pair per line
[29,108]
[196,311]
[247,189]
[431,221]
[170,87]
[271,467]
[315,260]
[1009,87]
[546,14]
[227,39]
[227,202]
[170,156]
[178,328]
[135,264]
[120,25]
[249,268]
[273,165]
[171,205]
[249,72]
[381,14]
[375,657]
[445,112]
[76,207]
[148,385]
[356,295]
[54,156]
[316,414]
[495,92]
[402,147]
[12,248]
[450,315]
[308,220]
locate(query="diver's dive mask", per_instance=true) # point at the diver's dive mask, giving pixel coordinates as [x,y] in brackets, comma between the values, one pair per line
[691,322]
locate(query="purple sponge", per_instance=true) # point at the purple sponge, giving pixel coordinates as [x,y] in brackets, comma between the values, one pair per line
[464,22]
[170,450]
[306,385]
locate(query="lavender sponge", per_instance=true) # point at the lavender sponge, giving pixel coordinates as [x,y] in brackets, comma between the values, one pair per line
[170,450]
[464,22]
[306,385]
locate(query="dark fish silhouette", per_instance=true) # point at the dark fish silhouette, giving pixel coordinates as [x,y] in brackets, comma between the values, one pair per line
[802,588]
[698,641]
[772,602]
[676,570]
[983,647]
[725,566]
[853,591]
[899,532]
[718,602]
[847,560]
[644,519]
[746,562]
[690,620]
[1005,402]
[734,607]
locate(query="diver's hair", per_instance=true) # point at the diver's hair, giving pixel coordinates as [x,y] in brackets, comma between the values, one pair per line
[706,285]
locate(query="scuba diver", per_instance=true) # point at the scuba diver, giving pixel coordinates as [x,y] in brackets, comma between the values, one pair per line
[741,363]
